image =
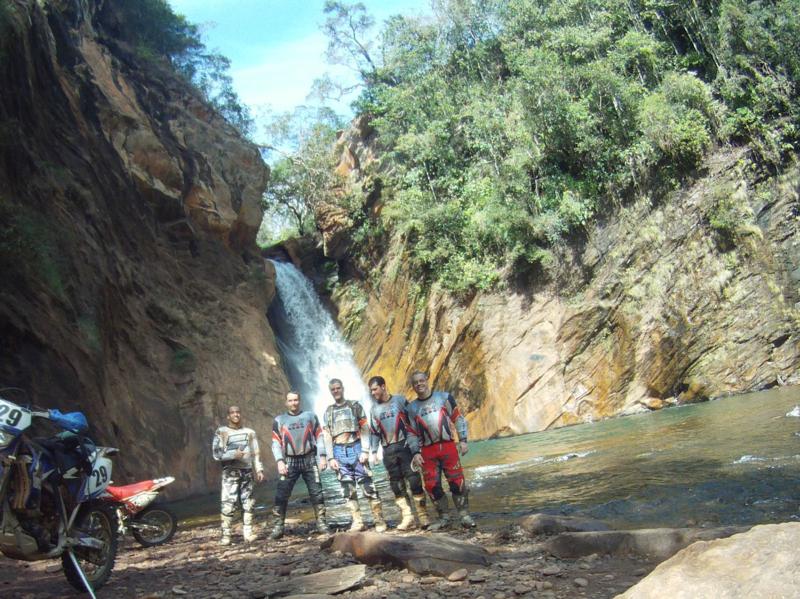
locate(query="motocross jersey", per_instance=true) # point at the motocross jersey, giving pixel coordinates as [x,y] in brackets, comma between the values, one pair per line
[431,421]
[389,422]
[227,440]
[296,435]
[346,422]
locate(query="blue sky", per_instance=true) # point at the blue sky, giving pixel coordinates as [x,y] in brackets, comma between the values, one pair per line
[275,46]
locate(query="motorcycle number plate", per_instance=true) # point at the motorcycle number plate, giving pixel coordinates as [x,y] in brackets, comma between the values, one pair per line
[14,416]
[100,477]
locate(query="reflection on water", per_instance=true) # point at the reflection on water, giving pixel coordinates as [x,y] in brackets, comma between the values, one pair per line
[731,461]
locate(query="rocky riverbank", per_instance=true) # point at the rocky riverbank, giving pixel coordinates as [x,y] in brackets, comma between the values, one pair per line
[543,556]
[194,565]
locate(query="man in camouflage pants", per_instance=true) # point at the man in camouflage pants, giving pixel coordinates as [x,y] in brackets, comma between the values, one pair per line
[237,448]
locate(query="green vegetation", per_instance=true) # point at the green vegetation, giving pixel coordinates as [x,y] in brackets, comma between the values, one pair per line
[90,331]
[158,33]
[508,126]
[29,245]
[303,174]
[183,361]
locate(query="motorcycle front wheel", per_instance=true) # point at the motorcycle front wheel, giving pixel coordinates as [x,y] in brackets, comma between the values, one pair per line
[98,521]
[154,525]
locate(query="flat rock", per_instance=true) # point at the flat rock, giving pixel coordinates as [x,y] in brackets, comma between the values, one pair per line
[329,582]
[545,524]
[761,562]
[440,556]
[658,543]
[458,575]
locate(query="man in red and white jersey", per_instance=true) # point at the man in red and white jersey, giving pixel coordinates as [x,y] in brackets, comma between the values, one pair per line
[434,422]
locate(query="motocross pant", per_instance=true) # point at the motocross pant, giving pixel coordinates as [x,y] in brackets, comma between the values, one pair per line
[442,458]
[305,466]
[353,473]
[237,487]
[397,459]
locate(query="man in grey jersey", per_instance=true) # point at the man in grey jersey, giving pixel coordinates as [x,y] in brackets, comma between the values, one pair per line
[237,448]
[296,447]
[388,428]
[345,426]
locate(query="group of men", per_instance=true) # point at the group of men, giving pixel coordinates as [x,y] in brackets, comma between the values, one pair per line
[414,436]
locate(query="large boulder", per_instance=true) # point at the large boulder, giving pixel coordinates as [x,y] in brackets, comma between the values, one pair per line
[761,562]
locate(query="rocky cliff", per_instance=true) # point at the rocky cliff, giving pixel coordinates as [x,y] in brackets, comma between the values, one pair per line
[659,305]
[129,210]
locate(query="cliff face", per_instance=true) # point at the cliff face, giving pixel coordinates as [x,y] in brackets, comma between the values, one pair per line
[128,212]
[659,308]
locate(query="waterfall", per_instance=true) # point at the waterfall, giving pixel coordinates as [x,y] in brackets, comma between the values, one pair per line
[313,350]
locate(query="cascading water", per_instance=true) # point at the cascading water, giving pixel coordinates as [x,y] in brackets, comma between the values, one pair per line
[312,347]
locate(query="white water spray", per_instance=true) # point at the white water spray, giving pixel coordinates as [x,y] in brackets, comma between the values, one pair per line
[312,347]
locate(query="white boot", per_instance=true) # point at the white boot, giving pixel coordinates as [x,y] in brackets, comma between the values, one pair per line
[248,532]
[355,511]
[226,529]
[407,522]
[422,511]
[377,515]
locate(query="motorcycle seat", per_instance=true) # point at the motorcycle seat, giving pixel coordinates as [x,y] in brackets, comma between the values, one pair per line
[127,491]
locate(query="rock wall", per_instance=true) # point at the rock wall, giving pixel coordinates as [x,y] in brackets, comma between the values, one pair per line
[656,308]
[129,211]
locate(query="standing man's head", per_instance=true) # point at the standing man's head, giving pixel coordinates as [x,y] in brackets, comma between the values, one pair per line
[419,380]
[377,388]
[337,390]
[234,417]
[293,402]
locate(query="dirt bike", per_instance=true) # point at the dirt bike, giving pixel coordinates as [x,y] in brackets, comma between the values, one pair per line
[49,489]
[149,524]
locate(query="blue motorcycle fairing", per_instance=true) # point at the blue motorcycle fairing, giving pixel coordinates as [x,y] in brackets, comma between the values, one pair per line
[72,421]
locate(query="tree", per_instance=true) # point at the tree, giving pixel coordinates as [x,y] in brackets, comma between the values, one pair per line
[303,172]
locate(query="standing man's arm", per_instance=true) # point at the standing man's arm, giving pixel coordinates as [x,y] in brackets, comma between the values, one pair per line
[277,449]
[363,432]
[257,465]
[319,439]
[326,434]
[374,439]
[413,441]
[460,423]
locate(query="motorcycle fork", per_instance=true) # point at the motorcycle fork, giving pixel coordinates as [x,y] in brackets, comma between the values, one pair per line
[68,522]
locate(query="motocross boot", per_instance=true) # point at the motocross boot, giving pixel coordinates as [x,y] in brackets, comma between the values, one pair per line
[226,522]
[422,511]
[247,528]
[407,522]
[443,510]
[377,515]
[462,505]
[358,522]
[319,513]
[278,519]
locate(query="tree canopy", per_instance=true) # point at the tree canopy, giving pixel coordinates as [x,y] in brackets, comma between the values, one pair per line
[156,32]
[511,124]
